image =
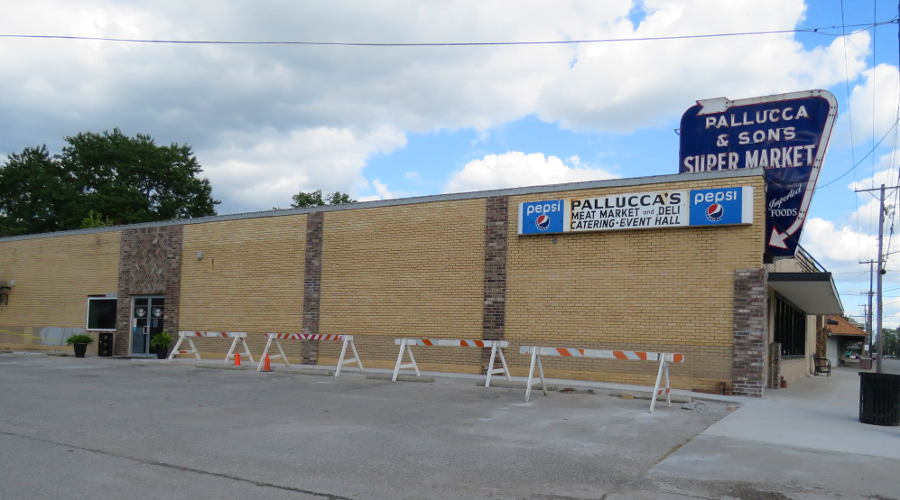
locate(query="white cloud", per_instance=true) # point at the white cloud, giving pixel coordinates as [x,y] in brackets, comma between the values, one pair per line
[886,173]
[624,86]
[514,169]
[382,192]
[840,245]
[259,171]
[874,103]
[866,216]
[259,104]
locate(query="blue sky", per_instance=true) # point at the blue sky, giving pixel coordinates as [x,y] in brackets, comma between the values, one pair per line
[269,121]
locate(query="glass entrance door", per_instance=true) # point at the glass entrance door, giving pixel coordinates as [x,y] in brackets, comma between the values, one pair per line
[147,318]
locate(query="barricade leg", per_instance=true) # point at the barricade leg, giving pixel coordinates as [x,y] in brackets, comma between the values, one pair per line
[262,358]
[399,360]
[490,367]
[231,349]
[530,375]
[535,361]
[496,352]
[659,373]
[503,363]
[341,361]
[281,353]
[194,350]
[404,347]
[668,388]
[175,349]
[247,350]
[356,356]
[337,370]
[541,373]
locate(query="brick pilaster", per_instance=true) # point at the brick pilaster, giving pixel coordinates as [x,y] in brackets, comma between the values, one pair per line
[496,226]
[312,284]
[149,264]
[750,323]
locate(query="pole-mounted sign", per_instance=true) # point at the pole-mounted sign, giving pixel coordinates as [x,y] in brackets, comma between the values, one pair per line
[786,134]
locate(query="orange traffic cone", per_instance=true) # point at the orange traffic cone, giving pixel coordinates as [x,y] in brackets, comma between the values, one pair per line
[267,367]
[237,359]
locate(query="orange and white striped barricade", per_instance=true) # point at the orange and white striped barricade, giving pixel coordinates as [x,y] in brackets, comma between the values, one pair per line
[276,338]
[239,339]
[664,359]
[496,347]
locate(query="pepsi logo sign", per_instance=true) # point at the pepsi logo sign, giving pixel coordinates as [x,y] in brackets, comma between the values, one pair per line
[715,212]
[542,222]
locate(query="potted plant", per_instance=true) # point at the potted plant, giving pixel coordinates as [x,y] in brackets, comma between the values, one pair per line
[161,342]
[79,342]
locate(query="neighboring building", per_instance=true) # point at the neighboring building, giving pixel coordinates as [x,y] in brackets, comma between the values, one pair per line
[453,266]
[801,292]
[843,340]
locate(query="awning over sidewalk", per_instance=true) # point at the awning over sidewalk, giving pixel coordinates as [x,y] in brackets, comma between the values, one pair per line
[814,293]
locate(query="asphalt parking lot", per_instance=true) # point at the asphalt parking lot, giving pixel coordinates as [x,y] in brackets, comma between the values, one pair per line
[111,428]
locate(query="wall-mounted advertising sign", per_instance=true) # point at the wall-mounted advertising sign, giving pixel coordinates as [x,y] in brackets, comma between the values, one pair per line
[785,134]
[657,209]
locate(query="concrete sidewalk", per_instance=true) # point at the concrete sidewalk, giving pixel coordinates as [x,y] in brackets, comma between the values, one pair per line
[805,441]
[820,413]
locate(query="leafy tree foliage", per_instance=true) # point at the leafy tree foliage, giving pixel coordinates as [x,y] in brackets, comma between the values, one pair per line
[315,199]
[101,179]
[891,341]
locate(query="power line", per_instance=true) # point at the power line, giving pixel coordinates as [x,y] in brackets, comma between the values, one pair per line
[863,158]
[815,31]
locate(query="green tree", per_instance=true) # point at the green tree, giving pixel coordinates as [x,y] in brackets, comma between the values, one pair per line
[315,199]
[35,194]
[891,341]
[101,179]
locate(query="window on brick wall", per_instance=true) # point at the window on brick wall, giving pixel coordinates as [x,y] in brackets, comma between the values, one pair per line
[101,313]
[790,328]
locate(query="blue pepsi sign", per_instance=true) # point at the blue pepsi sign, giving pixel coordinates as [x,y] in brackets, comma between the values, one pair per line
[787,135]
[723,206]
[647,210]
[540,217]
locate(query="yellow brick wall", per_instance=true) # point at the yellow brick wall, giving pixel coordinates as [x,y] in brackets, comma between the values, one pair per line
[653,289]
[250,278]
[405,271]
[417,271]
[54,277]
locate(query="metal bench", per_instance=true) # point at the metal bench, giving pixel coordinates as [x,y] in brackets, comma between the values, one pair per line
[823,365]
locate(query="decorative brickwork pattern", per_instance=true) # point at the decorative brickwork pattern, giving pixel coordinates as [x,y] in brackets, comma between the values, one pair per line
[149,264]
[312,284]
[750,322]
[496,229]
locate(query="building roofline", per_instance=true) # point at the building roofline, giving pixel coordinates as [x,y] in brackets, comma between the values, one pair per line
[469,195]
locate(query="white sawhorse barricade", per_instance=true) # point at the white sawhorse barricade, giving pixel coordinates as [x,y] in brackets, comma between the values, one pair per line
[664,359]
[495,345]
[276,338]
[240,338]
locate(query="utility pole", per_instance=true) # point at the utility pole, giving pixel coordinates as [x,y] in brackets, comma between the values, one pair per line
[881,270]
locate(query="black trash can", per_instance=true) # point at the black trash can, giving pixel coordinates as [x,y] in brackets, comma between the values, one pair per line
[879,398]
[104,344]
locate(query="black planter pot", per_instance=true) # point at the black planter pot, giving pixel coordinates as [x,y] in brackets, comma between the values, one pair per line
[162,353]
[80,349]
[879,398]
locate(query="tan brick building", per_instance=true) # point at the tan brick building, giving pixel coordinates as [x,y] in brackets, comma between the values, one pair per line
[447,266]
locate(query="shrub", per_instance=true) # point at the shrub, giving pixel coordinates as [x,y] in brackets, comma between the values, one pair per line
[79,339]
